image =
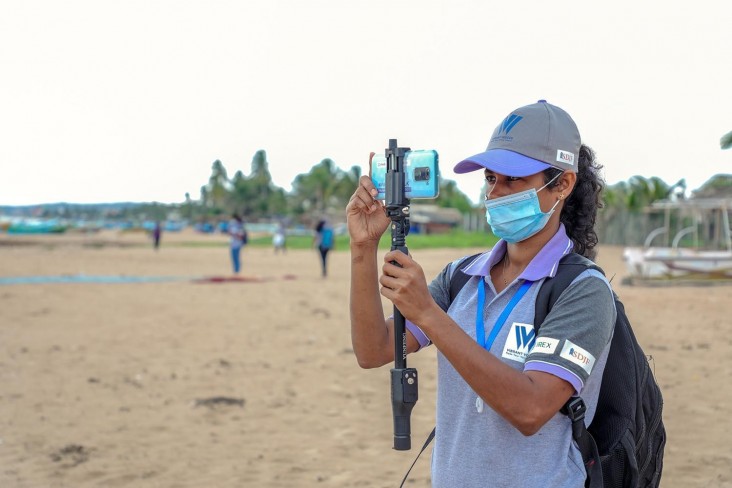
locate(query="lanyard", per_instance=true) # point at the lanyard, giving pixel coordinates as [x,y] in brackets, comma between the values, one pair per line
[480,329]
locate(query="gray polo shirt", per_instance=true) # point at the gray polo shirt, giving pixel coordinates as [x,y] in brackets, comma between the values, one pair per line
[476,447]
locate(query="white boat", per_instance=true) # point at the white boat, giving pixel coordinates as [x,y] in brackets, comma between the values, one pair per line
[693,246]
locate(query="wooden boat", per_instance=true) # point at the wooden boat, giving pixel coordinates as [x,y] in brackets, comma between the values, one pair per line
[36,226]
[694,246]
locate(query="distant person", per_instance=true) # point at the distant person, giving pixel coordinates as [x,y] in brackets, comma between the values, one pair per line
[324,240]
[156,233]
[279,240]
[237,240]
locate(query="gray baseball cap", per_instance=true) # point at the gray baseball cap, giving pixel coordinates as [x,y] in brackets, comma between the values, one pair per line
[529,140]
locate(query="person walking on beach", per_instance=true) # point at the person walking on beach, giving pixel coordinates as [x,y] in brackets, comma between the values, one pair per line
[499,386]
[156,234]
[323,240]
[237,240]
[279,239]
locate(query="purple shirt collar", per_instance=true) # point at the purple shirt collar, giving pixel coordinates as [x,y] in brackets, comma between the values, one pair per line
[544,264]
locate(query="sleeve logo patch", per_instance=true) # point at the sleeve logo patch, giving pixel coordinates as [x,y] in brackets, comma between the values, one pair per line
[546,345]
[578,356]
[521,339]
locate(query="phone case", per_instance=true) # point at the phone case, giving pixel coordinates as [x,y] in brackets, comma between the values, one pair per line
[378,175]
[421,170]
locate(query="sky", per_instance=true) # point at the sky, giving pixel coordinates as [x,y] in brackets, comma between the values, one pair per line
[133,100]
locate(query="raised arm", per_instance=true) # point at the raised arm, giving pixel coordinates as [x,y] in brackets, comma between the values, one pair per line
[372,336]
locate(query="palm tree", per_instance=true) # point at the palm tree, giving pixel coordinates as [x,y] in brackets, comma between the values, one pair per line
[319,189]
[643,192]
[450,196]
[257,196]
[726,141]
[242,194]
[622,219]
[218,186]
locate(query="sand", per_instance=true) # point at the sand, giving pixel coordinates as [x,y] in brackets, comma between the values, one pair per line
[254,384]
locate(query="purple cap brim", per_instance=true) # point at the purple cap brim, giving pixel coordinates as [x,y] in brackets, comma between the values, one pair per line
[502,161]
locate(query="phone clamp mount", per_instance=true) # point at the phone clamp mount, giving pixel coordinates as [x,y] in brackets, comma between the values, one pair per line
[403,380]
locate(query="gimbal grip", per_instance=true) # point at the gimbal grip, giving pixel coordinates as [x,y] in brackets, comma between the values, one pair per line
[404,393]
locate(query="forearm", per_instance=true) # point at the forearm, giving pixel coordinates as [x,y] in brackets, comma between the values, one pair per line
[369,331]
[517,396]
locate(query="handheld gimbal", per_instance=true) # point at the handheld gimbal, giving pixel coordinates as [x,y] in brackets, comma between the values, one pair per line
[403,380]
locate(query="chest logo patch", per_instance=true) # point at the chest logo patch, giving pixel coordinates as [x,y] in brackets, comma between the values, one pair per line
[578,356]
[521,339]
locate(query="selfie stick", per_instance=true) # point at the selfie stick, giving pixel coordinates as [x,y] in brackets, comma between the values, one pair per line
[403,379]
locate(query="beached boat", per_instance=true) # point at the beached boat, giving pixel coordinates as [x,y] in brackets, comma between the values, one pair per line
[694,246]
[36,226]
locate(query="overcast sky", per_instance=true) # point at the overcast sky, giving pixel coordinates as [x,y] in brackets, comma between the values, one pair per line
[106,101]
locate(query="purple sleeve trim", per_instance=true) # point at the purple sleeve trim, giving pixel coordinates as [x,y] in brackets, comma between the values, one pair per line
[421,337]
[418,334]
[557,371]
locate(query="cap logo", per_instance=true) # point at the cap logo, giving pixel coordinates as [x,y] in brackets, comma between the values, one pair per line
[509,123]
[565,157]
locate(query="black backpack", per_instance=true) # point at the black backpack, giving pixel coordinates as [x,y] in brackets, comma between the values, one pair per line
[623,447]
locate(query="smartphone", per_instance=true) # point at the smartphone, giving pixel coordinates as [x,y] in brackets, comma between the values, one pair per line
[421,171]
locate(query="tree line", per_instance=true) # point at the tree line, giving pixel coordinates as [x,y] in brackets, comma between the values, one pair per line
[324,190]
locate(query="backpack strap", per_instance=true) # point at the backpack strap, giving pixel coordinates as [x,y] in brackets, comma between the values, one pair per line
[575,409]
[459,278]
[569,267]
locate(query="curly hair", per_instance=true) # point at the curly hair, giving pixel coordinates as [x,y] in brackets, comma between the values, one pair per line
[580,209]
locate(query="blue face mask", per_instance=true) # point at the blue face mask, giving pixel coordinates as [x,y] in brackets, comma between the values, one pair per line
[516,217]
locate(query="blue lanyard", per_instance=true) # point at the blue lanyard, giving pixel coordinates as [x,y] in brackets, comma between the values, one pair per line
[479,329]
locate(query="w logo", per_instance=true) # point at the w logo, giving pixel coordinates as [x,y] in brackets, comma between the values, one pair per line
[509,123]
[525,337]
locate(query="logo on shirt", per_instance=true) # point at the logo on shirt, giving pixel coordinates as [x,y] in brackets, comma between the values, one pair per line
[520,341]
[545,345]
[578,356]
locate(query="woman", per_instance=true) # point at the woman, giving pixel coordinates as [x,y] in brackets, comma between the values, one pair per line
[279,239]
[323,240]
[500,388]
[237,240]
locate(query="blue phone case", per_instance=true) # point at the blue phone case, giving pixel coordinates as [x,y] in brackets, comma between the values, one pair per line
[421,170]
[378,175]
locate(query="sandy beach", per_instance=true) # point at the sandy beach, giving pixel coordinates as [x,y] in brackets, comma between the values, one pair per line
[182,383]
